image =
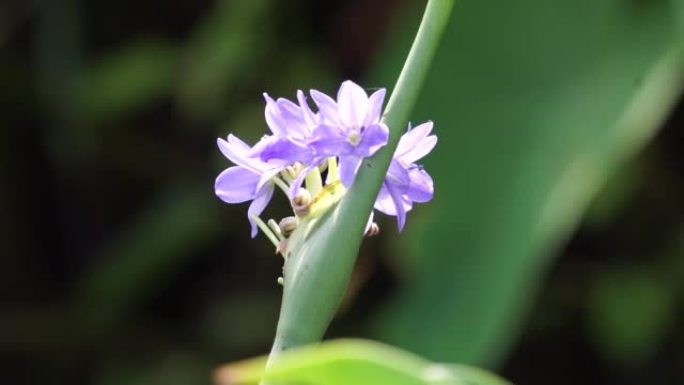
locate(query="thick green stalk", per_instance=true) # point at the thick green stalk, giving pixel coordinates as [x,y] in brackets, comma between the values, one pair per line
[322,253]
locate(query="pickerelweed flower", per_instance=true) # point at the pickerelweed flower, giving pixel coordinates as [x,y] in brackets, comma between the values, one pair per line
[407,182]
[292,126]
[350,128]
[305,145]
[251,180]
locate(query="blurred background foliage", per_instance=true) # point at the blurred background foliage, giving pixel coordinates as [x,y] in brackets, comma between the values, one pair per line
[553,251]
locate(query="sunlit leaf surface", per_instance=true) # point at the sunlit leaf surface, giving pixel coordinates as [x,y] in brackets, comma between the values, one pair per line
[358,362]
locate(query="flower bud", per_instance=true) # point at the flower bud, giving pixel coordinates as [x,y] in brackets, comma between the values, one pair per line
[300,203]
[287,226]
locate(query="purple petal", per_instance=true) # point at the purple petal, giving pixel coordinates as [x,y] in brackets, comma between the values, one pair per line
[238,152]
[273,118]
[258,205]
[309,116]
[373,138]
[293,117]
[267,176]
[330,141]
[392,204]
[421,188]
[398,176]
[384,203]
[283,150]
[416,143]
[238,144]
[421,149]
[297,183]
[236,185]
[399,204]
[374,107]
[327,107]
[349,165]
[353,104]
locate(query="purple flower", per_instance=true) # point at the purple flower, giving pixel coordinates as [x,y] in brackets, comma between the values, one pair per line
[349,128]
[250,180]
[341,132]
[406,182]
[292,126]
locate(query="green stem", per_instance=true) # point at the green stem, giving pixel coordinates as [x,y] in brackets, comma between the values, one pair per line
[412,76]
[283,186]
[333,172]
[266,230]
[276,229]
[318,271]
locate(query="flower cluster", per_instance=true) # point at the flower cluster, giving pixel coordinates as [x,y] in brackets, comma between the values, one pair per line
[306,145]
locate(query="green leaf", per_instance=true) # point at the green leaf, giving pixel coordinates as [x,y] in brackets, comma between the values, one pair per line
[358,362]
[220,53]
[126,80]
[535,103]
[629,313]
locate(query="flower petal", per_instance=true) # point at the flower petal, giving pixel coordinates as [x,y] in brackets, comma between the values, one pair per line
[398,176]
[297,182]
[293,117]
[373,138]
[353,104]
[420,150]
[416,143]
[327,108]
[384,203]
[391,202]
[421,188]
[349,165]
[281,151]
[236,185]
[274,120]
[401,206]
[267,176]
[238,152]
[310,118]
[374,107]
[330,141]
[258,205]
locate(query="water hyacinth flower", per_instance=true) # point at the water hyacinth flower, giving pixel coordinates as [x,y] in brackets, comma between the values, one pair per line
[339,134]
[350,127]
[250,180]
[407,182]
[292,126]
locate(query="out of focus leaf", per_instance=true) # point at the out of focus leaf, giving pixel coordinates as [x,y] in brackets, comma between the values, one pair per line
[358,362]
[149,250]
[629,312]
[126,80]
[221,51]
[532,116]
[173,368]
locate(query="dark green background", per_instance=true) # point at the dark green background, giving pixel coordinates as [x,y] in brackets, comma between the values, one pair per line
[119,266]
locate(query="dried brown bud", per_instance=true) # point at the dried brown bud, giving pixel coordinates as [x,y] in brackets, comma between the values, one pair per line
[288,225]
[373,230]
[300,203]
